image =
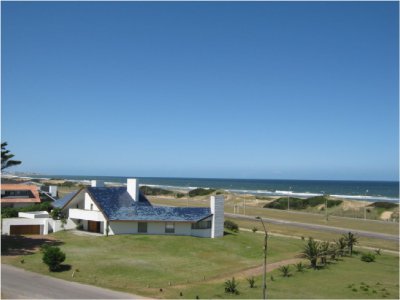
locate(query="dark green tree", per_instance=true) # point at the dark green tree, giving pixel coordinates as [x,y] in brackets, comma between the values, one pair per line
[53,257]
[350,240]
[6,158]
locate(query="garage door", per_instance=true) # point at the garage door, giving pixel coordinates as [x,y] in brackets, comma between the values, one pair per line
[25,229]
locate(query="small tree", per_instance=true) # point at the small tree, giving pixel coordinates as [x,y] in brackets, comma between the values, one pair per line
[231,286]
[285,270]
[311,252]
[251,282]
[350,240]
[53,257]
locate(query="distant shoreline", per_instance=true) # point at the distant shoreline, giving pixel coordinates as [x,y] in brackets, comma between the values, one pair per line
[237,186]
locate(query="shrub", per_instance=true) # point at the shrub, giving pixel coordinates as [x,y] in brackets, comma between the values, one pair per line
[383,204]
[285,270]
[251,282]
[9,212]
[298,203]
[56,214]
[53,257]
[255,229]
[368,257]
[300,267]
[180,195]
[231,226]
[80,227]
[200,192]
[154,191]
[231,286]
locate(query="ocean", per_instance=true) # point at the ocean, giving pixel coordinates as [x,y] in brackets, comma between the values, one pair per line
[354,190]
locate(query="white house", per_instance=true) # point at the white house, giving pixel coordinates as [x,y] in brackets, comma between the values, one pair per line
[125,210]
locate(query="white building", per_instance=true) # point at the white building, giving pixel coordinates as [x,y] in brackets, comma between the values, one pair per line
[125,210]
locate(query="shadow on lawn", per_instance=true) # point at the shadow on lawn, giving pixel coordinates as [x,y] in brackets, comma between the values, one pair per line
[12,245]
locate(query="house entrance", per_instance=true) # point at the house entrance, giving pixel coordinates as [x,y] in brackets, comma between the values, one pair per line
[94,226]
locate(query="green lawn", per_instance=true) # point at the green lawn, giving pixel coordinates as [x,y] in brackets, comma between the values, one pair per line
[132,262]
[369,280]
[199,267]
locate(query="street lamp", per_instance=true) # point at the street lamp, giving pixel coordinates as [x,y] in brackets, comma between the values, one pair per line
[265,259]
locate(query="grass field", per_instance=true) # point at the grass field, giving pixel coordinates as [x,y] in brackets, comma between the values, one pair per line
[349,278]
[199,267]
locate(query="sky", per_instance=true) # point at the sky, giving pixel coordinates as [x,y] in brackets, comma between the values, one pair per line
[274,90]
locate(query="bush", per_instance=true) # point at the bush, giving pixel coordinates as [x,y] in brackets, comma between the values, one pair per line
[300,267]
[231,286]
[231,226]
[298,203]
[53,257]
[79,227]
[383,204]
[368,257]
[154,191]
[255,229]
[180,195]
[285,270]
[9,212]
[200,192]
[251,282]
[56,214]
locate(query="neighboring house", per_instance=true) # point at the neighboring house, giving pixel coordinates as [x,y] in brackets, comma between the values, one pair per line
[18,195]
[125,210]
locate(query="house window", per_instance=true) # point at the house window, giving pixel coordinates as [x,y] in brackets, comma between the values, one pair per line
[77,206]
[202,225]
[169,227]
[142,227]
[91,206]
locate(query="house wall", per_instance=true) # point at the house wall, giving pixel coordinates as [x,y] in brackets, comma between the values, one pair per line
[181,228]
[90,203]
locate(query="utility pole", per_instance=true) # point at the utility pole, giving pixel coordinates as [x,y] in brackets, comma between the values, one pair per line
[265,259]
[365,208]
[244,206]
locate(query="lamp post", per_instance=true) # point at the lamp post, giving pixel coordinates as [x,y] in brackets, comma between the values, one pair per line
[265,259]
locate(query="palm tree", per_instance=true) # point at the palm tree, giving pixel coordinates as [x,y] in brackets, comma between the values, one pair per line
[6,156]
[311,252]
[341,245]
[324,251]
[350,240]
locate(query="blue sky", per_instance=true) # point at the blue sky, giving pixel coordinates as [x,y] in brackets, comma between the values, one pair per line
[234,90]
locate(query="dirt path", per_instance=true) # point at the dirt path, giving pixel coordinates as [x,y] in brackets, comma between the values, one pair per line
[254,271]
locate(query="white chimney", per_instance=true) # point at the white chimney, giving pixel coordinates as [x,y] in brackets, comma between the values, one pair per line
[132,187]
[97,183]
[217,209]
[53,190]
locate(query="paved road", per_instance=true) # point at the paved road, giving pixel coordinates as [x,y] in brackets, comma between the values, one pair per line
[20,284]
[369,234]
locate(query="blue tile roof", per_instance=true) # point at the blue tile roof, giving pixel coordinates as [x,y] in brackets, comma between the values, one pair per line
[64,200]
[117,204]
